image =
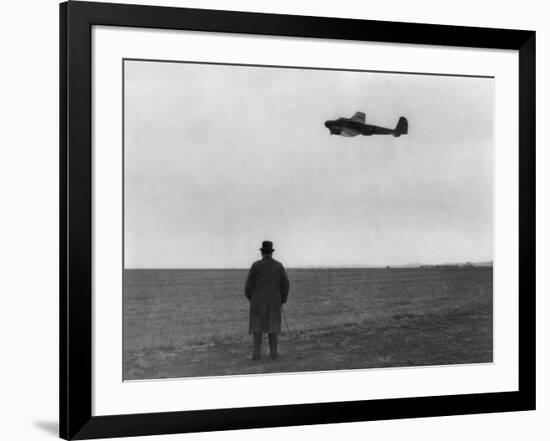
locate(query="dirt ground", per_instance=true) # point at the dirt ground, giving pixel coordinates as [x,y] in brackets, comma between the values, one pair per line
[416,330]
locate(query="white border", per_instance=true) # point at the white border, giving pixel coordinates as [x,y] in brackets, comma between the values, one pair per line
[112,396]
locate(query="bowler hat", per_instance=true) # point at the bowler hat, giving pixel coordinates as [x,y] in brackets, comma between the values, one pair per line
[267,246]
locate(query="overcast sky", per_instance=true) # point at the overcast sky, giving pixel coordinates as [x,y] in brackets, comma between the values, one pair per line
[219,158]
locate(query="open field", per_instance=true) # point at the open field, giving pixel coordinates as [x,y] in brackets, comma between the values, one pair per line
[180,323]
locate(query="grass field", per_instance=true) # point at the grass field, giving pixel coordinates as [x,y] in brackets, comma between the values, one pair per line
[180,323]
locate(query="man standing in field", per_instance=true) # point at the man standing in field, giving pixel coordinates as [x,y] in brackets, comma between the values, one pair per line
[267,289]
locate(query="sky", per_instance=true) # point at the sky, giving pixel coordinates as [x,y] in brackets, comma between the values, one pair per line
[218,158]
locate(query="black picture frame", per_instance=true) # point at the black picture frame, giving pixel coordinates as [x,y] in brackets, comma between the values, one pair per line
[75,413]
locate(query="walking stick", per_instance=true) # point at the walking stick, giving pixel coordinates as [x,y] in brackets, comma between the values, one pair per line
[286,322]
[287,328]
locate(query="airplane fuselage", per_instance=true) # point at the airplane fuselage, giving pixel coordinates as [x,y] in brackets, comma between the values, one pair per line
[349,127]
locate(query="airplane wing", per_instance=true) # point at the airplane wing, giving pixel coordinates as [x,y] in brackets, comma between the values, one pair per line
[359,117]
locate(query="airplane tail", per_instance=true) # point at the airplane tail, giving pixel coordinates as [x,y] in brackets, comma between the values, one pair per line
[402,127]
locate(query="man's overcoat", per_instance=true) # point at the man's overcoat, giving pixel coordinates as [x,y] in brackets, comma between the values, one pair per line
[267,289]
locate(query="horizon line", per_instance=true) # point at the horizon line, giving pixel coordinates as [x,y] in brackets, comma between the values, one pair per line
[483,263]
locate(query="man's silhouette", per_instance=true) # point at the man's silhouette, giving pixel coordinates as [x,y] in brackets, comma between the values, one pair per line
[267,289]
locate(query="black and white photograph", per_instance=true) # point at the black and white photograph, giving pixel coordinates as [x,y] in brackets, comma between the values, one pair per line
[242,220]
[284,219]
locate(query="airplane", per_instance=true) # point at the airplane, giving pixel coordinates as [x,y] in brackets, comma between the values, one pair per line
[356,126]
